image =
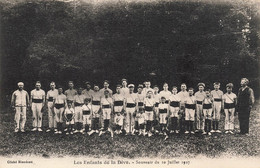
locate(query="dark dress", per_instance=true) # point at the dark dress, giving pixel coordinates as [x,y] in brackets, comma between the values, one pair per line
[245,100]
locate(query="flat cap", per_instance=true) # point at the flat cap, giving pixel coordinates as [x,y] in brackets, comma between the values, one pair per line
[230,85]
[201,84]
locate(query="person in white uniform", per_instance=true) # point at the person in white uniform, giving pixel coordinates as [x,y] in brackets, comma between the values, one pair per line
[53,92]
[37,104]
[229,101]
[19,102]
[217,103]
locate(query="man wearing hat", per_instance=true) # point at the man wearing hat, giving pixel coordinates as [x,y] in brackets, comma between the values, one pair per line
[130,109]
[88,91]
[52,93]
[199,97]
[37,101]
[245,101]
[217,105]
[229,104]
[19,102]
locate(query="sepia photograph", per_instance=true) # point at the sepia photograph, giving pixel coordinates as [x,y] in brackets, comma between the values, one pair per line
[129,83]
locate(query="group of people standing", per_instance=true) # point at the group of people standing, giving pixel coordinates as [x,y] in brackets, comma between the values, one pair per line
[147,112]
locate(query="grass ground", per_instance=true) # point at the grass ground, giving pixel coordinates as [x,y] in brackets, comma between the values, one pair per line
[184,146]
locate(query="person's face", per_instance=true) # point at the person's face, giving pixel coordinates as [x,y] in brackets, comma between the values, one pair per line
[79,91]
[147,84]
[131,89]
[52,85]
[207,93]
[243,82]
[38,86]
[71,85]
[201,88]
[118,90]
[139,90]
[106,94]
[163,100]
[216,87]
[20,87]
[96,88]
[106,85]
[165,87]
[118,114]
[183,87]
[86,102]
[124,83]
[149,94]
[60,90]
[69,105]
[88,86]
[229,90]
[174,90]
[156,89]
[190,92]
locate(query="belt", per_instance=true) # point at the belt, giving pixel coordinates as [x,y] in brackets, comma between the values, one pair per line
[229,105]
[118,103]
[37,100]
[218,100]
[50,99]
[76,104]
[86,112]
[199,102]
[106,106]
[190,106]
[175,104]
[140,104]
[207,106]
[69,101]
[130,105]
[156,104]
[95,102]
[58,106]
[147,108]
[162,110]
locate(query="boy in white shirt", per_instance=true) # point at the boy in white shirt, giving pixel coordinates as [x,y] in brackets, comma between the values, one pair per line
[164,112]
[69,117]
[141,121]
[229,101]
[106,106]
[149,111]
[119,121]
[174,109]
[207,105]
[190,105]
[86,114]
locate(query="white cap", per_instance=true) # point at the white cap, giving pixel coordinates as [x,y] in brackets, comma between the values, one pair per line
[131,85]
[20,84]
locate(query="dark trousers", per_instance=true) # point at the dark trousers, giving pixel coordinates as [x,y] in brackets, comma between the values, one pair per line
[243,117]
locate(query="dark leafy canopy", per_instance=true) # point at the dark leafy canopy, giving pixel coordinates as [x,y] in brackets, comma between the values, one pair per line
[173,41]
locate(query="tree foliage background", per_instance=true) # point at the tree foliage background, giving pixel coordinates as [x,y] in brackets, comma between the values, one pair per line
[170,41]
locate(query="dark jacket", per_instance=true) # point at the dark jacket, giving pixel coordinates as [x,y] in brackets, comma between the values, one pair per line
[245,98]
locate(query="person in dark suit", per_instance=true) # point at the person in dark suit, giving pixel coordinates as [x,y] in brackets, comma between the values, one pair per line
[245,102]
